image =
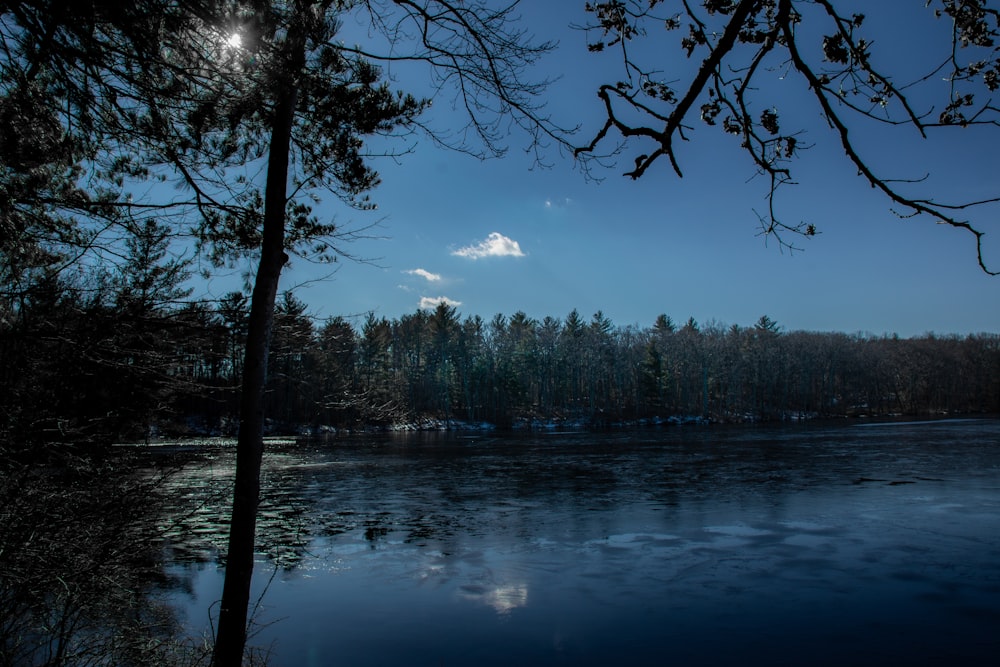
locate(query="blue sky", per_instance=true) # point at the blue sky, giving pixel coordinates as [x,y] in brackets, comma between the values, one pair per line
[500,236]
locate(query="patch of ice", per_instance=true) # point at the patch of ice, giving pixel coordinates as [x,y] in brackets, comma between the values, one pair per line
[633,539]
[805,525]
[737,531]
[806,540]
[349,549]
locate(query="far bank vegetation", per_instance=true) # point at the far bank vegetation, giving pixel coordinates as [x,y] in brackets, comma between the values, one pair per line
[102,362]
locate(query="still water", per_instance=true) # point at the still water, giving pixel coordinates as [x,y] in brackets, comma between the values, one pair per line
[843,544]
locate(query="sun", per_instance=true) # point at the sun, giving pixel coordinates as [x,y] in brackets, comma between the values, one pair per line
[234,41]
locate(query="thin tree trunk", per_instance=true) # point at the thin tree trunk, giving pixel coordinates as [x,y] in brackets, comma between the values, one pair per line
[231,637]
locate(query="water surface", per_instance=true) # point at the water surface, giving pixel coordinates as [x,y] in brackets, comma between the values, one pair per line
[816,544]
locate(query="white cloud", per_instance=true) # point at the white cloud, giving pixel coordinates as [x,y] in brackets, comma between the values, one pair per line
[431,302]
[423,273]
[555,204]
[495,245]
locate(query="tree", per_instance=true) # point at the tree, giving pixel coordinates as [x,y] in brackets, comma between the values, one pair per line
[376,361]
[319,96]
[600,362]
[548,354]
[739,48]
[664,325]
[443,323]
[147,288]
[653,376]
[572,349]
[297,101]
[74,79]
[158,89]
[292,363]
[70,113]
[334,380]
[300,102]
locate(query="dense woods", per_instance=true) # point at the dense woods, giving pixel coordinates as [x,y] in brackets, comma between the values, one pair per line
[120,357]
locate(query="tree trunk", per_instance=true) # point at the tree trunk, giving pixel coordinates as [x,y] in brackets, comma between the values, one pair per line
[231,637]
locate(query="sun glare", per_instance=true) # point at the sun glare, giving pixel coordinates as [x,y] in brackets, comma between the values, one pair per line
[234,41]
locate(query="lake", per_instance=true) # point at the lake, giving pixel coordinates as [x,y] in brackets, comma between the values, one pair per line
[847,543]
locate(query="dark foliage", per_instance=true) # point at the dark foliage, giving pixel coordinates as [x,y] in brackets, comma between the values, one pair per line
[80,374]
[80,564]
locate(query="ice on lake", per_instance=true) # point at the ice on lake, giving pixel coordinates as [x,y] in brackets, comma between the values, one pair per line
[812,544]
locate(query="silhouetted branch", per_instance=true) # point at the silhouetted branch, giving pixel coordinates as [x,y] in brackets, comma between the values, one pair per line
[738,42]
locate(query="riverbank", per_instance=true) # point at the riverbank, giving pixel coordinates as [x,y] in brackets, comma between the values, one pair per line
[194,429]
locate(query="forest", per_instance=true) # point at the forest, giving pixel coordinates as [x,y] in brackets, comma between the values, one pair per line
[123,355]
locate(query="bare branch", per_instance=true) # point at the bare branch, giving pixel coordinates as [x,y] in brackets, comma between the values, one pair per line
[740,41]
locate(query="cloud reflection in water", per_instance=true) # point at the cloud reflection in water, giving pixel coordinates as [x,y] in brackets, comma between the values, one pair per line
[503,599]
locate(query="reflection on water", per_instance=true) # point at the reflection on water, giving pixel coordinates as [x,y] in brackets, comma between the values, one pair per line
[501,598]
[815,544]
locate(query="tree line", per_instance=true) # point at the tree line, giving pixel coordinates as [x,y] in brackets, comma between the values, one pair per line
[112,356]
